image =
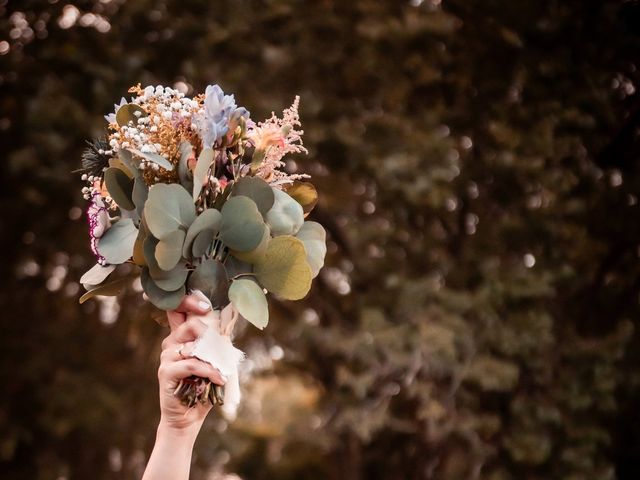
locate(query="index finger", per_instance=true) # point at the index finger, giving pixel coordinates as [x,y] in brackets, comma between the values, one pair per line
[191,304]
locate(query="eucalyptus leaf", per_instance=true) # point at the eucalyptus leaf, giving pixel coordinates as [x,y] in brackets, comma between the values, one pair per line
[97,274]
[314,238]
[286,216]
[201,244]
[167,280]
[210,219]
[200,172]
[210,277]
[155,158]
[284,269]
[108,289]
[162,299]
[120,187]
[169,250]
[236,266]
[138,246]
[140,193]
[250,301]
[129,113]
[126,158]
[252,256]
[168,208]
[116,245]
[257,190]
[242,227]
[305,194]
[184,174]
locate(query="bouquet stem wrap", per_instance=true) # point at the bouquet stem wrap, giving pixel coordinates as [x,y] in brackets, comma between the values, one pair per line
[215,347]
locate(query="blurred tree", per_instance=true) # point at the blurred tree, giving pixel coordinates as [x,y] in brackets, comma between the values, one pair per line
[477,163]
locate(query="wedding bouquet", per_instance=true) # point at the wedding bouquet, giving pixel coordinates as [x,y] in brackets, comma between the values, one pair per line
[196,194]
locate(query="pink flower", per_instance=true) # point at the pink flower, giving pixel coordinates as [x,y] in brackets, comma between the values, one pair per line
[98,224]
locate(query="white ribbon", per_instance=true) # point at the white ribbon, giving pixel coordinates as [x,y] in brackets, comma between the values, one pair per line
[215,347]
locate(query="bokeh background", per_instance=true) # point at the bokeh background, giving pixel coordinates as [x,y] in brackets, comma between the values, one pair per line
[477,163]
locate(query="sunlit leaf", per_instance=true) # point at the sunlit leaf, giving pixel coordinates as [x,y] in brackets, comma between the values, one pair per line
[249,299]
[284,269]
[129,113]
[305,194]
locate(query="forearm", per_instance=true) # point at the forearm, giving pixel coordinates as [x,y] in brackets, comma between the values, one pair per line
[171,455]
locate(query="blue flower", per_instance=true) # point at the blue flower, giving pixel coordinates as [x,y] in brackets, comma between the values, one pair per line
[219,111]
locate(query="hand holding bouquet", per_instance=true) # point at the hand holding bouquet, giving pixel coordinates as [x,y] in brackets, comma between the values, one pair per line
[194,193]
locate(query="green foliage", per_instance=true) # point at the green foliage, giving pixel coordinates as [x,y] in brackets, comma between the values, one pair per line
[478,179]
[247,296]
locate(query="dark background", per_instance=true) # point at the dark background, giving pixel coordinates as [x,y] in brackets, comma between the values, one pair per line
[477,163]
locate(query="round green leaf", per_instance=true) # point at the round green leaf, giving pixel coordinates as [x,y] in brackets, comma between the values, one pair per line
[120,187]
[169,250]
[202,243]
[208,220]
[116,245]
[286,215]
[250,301]
[166,279]
[252,256]
[314,239]
[162,299]
[283,269]
[257,190]
[168,207]
[127,113]
[210,277]
[242,227]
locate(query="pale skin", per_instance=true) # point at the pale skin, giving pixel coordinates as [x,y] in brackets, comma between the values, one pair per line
[179,425]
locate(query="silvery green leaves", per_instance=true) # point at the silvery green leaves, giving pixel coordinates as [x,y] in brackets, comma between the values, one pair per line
[250,301]
[116,245]
[168,212]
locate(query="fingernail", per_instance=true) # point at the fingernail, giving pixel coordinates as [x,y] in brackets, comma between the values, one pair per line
[204,305]
[224,378]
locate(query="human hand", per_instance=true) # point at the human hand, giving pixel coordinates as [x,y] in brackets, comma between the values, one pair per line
[175,365]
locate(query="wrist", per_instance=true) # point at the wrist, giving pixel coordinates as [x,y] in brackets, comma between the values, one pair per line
[183,431]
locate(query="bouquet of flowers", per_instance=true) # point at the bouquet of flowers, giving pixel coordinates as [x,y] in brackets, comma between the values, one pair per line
[196,194]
